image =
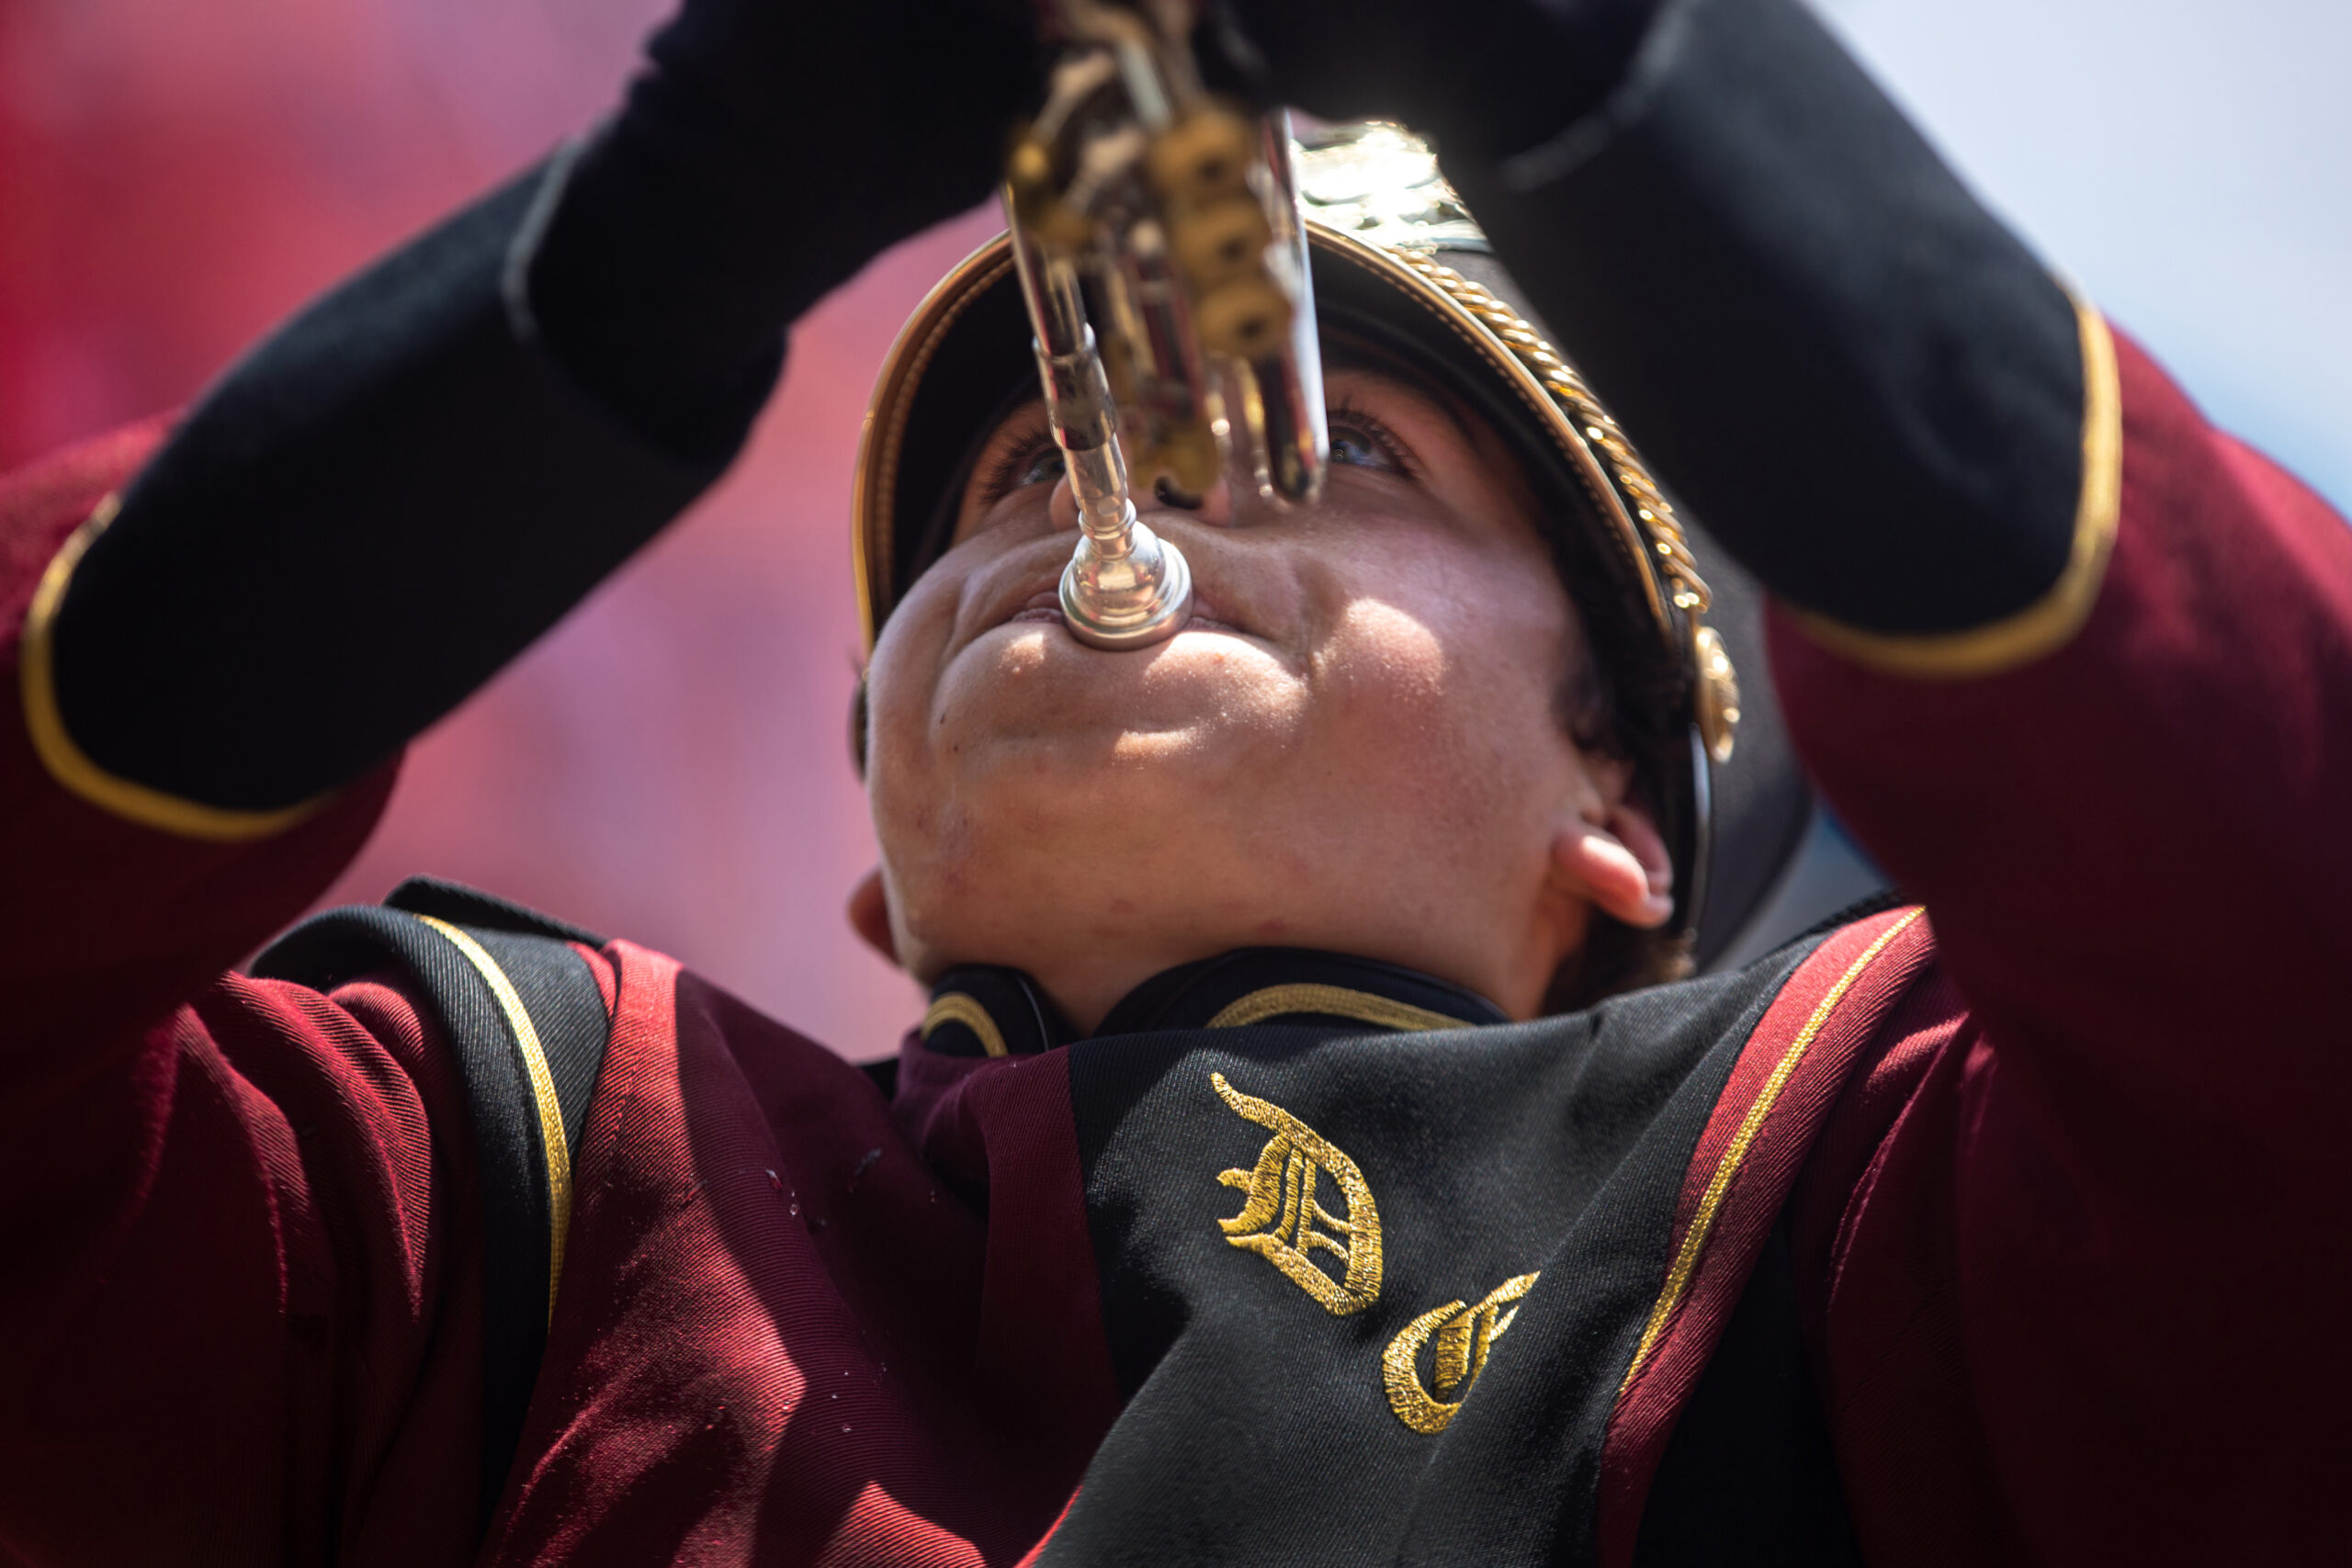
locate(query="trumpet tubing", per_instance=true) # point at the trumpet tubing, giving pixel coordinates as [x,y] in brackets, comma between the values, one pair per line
[1163,265]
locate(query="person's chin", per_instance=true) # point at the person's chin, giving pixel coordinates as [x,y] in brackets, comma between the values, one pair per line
[1079,759]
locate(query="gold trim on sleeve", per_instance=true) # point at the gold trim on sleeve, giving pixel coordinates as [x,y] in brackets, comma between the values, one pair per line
[552,1141]
[1710,1203]
[1335,1001]
[2050,621]
[37,681]
[958,1007]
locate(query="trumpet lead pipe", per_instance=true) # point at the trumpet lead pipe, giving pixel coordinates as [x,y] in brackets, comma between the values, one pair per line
[1124,587]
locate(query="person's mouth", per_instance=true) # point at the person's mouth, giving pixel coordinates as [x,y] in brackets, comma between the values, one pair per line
[1045,605]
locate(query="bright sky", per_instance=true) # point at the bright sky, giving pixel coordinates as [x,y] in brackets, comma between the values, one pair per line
[2189,165]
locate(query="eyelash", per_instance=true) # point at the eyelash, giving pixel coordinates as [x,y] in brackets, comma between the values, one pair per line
[1009,466]
[1369,424]
[1016,459]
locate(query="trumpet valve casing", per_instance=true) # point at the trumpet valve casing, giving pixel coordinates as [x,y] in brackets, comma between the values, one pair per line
[1141,202]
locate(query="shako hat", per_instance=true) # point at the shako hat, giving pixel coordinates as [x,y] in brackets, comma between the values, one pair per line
[1399,264]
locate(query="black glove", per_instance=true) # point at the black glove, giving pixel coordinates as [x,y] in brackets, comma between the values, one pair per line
[1484,78]
[1866,388]
[771,150]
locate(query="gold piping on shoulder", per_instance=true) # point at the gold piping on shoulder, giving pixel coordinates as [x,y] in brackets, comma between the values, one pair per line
[958,1007]
[1283,1222]
[1703,1223]
[2050,622]
[1463,1336]
[1337,1001]
[553,1144]
[66,763]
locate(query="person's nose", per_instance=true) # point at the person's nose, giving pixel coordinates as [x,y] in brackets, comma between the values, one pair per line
[1215,508]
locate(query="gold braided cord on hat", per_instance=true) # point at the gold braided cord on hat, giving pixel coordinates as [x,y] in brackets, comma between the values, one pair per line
[1717,695]
[1379,183]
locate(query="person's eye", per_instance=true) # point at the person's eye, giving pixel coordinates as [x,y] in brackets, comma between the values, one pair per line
[1359,441]
[1045,466]
[1038,462]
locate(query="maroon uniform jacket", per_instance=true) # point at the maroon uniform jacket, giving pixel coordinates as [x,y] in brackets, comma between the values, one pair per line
[2006,1226]
[2055,1171]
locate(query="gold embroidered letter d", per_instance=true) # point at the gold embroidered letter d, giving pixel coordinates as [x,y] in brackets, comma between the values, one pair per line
[1282,1222]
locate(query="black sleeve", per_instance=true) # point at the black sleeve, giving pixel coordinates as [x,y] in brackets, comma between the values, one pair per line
[394,494]
[377,508]
[1871,390]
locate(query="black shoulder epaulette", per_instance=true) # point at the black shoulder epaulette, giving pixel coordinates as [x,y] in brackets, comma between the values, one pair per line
[525,1021]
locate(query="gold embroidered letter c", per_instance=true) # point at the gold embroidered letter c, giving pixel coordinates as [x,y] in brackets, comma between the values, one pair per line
[1464,1334]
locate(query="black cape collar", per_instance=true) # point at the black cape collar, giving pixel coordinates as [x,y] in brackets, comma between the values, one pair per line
[981,1010]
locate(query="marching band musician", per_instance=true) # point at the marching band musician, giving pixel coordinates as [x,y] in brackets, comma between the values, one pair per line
[1316,1149]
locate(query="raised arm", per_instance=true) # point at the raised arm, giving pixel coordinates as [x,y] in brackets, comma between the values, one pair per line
[412,479]
[236,1213]
[419,474]
[2062,654]
[2074,667]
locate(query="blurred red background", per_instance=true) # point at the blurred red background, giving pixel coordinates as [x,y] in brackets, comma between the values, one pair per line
[672,763]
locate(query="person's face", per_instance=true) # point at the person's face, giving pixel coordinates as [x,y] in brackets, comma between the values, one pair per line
[1357,743]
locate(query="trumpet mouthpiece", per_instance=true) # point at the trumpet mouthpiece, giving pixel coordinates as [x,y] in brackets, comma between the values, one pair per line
[1129,599]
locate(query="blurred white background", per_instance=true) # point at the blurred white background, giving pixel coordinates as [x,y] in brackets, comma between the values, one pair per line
[2189,164]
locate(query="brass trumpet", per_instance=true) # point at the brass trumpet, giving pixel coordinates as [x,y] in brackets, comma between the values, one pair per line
[1140,202]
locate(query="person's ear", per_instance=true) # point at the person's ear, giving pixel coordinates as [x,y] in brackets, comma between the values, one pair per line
[1619,864]
[869,914]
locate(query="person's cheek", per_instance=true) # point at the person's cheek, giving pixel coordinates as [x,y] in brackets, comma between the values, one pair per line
[1384,656]
[1384,741]
[896,777]
[901,691]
